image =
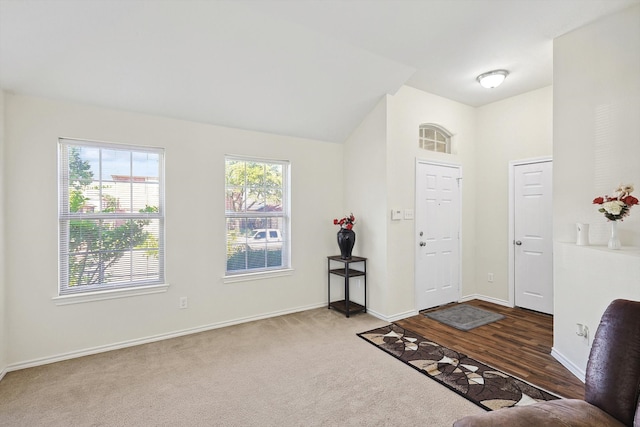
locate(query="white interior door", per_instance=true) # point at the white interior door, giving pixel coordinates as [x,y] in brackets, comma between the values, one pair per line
[533,242]
[437,235]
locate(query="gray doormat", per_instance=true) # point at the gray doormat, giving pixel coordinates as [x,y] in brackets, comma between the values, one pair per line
[464,317]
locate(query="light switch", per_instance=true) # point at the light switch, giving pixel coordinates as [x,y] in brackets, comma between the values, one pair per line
[396,214]
[408,214]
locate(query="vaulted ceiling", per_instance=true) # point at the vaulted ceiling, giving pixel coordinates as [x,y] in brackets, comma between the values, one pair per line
[306,68]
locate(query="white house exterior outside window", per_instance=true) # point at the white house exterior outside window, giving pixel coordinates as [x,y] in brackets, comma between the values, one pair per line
[111,216]
[257,215]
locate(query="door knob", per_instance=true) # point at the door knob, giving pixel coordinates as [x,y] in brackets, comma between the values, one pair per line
[518,242]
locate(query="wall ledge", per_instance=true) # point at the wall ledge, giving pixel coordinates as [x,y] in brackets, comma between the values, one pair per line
[632,251]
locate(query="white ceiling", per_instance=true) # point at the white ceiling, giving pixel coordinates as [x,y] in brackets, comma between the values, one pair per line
[307,68]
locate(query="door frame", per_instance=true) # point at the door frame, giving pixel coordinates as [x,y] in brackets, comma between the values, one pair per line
[415,225]
[512,165]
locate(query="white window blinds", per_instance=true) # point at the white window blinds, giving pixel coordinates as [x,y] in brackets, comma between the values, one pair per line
[111,216]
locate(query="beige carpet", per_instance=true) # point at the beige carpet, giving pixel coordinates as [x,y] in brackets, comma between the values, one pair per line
[303,369]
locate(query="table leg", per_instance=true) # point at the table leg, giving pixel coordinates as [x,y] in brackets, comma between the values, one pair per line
[365,286]
[328,283]
[346,290]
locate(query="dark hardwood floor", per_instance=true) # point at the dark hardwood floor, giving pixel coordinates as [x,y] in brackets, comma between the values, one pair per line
[520,345]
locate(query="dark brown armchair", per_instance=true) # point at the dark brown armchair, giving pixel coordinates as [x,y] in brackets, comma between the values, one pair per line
[612,385]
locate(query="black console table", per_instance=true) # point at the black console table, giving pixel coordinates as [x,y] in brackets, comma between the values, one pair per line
[346,306]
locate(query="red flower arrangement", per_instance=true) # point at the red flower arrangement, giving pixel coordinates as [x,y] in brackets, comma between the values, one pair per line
[346,222]
[616,207]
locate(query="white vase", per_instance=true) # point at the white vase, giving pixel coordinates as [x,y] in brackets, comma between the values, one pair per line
[614,241]
[583,234]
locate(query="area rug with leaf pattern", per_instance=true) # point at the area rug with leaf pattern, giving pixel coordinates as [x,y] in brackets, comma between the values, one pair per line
[483,385]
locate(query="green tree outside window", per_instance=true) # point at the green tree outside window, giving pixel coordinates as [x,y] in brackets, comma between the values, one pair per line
[103,247]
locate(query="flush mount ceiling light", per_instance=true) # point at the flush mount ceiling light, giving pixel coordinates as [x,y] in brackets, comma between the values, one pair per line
[492,78]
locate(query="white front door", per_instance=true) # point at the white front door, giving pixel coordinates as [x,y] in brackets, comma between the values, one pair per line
[533,242]
[437,235]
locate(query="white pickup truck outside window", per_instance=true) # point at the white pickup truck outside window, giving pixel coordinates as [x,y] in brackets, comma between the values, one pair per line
[257,215]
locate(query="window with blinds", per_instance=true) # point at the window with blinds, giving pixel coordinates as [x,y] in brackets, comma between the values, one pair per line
[257,215]
[111,215]
[434,138]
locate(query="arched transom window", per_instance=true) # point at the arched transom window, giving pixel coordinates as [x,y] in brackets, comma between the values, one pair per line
[434,138]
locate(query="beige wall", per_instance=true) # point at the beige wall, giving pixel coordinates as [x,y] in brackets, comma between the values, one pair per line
[596,147]
[3,305]
[485,141]
[595,134]
[597,123]
[41,330]
[514,129]
[373,172]
[365,194]
[408,109]
[380,162]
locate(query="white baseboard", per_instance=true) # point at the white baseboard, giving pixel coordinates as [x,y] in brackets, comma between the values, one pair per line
[3,372]
[485,298]
[394,317]
[149,339]
[572,367]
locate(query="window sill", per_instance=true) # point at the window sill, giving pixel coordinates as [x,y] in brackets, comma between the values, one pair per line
[257,276]
[109,294]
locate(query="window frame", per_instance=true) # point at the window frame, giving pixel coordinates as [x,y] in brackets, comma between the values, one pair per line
[102,289]
[231,276]
[423,140]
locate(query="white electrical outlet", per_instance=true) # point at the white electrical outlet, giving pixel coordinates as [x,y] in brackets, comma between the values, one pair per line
[490,278]
[183,302]
[582,331]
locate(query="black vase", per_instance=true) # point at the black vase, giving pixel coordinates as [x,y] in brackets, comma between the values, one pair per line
[346,240]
